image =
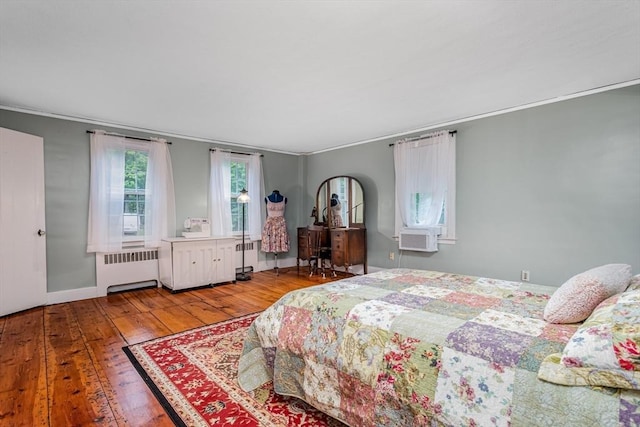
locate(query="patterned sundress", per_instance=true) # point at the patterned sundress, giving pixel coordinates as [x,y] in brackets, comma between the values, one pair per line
[275,237]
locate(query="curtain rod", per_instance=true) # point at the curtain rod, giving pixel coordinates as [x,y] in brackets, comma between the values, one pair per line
[451,132]
[233,152]
[137,138]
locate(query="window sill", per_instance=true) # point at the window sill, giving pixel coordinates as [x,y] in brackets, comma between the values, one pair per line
[443,240]
[447,240]
[130,244]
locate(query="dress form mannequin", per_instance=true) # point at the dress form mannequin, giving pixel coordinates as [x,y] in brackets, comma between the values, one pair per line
[275,197]
[274,234]
[336,211]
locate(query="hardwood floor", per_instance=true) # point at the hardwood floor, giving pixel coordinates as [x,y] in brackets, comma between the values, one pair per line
[63,365]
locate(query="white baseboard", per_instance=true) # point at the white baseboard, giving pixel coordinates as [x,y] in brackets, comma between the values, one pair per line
[70,295]
[271,263]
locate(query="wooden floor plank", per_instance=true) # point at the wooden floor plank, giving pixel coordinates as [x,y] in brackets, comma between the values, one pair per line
[150,299]
[76,396]
[23,383]
[184,297]
[177,319]
[140,327]
[206,313]
[212,297]
[117,305]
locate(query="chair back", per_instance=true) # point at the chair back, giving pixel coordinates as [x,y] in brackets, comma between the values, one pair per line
[314,240]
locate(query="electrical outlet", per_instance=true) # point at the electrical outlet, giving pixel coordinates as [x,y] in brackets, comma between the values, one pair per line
[524,275]
[392,255]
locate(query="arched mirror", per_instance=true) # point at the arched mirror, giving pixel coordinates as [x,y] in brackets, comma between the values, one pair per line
[340,203]
[339,211]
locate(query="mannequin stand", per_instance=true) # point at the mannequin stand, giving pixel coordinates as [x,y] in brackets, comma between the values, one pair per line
[276,268]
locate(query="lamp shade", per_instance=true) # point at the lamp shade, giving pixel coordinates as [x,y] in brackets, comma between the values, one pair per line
[244,196]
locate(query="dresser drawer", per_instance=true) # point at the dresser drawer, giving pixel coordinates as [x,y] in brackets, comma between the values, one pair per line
[337,258]
[303,250]
[338,235]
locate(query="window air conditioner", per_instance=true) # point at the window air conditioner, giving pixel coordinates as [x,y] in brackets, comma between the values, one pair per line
[420,239]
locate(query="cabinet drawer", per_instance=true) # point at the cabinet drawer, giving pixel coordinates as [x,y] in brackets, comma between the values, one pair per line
[302,243]
[338,235]
[337,258]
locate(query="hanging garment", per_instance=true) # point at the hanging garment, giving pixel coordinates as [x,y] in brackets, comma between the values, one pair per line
[275,237]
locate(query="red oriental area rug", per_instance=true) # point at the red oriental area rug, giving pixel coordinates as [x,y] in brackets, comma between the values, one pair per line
[193,375]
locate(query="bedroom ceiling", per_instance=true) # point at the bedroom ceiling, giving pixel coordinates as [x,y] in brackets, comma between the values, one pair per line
[306,76]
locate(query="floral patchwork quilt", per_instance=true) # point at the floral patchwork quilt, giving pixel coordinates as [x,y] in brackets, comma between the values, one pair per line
[409,347]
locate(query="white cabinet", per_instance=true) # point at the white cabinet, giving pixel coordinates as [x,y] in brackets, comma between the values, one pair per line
[189,263]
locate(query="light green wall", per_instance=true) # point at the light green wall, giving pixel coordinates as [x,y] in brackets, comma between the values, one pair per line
[554,190]
[66,158]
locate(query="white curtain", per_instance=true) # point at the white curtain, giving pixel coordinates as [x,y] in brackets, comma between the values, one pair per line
[220,194]
[255,187]
[422,172]
[106,193]
[160,205]
[106,197]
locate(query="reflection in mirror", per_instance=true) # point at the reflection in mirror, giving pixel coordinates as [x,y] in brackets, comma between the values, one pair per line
[357,197]
[340,203]
[321,203]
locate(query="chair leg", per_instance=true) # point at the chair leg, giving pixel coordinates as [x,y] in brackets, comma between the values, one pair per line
[333,270]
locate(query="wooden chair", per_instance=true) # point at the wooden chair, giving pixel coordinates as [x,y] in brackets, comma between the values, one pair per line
[317,252]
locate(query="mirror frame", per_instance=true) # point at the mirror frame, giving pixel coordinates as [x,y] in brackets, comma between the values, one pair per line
[323,195]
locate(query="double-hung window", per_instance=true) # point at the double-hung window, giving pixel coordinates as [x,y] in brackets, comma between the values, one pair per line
[230,174]
[131,192]
[135,179]
[425,183]
[238,170]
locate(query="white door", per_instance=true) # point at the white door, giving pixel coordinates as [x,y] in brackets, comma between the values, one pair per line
[23,266]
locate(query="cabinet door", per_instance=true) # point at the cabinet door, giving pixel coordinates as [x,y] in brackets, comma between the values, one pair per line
[193,264]
[225,261]
[165,264]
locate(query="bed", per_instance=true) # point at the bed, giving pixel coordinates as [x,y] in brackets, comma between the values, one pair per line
[412,347]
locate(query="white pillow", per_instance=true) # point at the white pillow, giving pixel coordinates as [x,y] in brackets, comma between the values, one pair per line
[634,283]
[577,297]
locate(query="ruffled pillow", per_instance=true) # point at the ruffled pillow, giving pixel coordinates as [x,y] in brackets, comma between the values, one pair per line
[577,297]
[604,351]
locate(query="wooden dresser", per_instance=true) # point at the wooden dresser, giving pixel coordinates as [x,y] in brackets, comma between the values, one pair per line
[348,246]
